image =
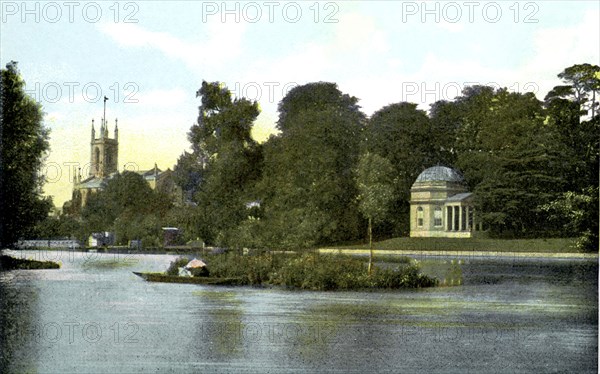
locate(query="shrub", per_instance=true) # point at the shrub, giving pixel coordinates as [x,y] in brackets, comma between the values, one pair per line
[175,265]
[200,272]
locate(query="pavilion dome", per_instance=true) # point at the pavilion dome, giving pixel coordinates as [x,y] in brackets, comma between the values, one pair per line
[440,174]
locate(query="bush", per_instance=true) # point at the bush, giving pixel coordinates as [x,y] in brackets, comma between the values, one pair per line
[316,272]
[200,272]
[403,277]
[175,265]
[254,269]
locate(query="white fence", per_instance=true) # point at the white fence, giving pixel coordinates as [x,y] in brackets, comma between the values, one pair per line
[40,243]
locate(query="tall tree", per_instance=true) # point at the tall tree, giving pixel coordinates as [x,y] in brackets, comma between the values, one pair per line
[445,118]
[509,158]
[582,83]
[401,133]
[225,158]
[374,178]
[573,114]
[308,189]
[316,96]
[23,146]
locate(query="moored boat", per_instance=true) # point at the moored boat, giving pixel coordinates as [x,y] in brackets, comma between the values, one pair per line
[161,277]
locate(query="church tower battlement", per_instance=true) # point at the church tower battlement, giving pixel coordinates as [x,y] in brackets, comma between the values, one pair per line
[104,158]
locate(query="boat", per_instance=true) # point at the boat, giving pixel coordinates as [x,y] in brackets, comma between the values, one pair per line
[161,277]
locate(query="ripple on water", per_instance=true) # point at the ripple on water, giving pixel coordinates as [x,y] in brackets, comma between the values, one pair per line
[534,317]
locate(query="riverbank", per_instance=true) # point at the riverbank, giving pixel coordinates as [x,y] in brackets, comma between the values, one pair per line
[558,248]
[173,250]
[463,254]
[479,245]
[11,263]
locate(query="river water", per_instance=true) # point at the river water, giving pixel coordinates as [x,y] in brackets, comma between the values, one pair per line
[499,315]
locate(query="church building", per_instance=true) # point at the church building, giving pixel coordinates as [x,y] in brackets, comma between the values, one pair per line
[104,161]
[441,206]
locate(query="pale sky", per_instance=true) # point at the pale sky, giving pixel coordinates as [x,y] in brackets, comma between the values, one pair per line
[150,57]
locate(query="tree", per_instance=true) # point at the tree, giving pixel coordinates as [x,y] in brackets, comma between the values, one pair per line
[374,178]
[445,120]
[577,213]
[23,146]
[308,190]
[510,159]
[569,107]
[402,134]
[316,96]
[128,206]
[225,161]
[582,81]
[61,227]
[188,173]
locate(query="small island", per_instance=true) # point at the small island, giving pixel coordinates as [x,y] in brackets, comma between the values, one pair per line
[11,263]
[306,271]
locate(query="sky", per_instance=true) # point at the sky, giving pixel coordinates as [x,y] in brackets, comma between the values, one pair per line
[150,58]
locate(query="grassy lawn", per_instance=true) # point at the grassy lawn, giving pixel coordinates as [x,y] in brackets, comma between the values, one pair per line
[560,245]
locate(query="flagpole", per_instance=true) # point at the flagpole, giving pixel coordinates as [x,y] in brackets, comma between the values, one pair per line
[104,118]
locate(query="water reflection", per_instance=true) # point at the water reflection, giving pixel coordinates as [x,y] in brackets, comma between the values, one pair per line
[18,328]
[220,332]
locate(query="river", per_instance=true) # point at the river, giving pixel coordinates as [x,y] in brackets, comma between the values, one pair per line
[496,315]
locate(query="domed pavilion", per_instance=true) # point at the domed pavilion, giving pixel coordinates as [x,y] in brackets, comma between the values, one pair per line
[441,205]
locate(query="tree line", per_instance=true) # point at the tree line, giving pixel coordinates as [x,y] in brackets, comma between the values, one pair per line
[331,173]
[330,169]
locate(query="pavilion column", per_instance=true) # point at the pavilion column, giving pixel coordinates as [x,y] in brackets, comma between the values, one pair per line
[460,218]
[454,221]
[453,218]
[468,211]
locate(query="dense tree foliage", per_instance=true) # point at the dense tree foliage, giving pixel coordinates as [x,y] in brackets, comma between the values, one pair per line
[308,188]
[402,134]
[509,158]
[188,173]
[532,165]
[573,114]
[129,207]
[224,164]
[23,146]
[65,227]
[527,161]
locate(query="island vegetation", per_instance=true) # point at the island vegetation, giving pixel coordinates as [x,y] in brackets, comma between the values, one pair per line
[307,271]
[11,263]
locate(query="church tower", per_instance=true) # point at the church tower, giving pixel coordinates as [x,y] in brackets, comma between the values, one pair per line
[104,158]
